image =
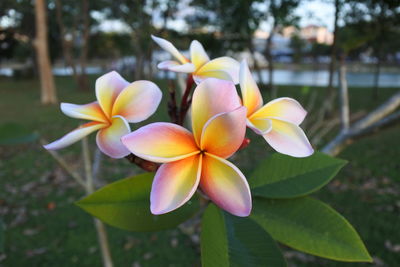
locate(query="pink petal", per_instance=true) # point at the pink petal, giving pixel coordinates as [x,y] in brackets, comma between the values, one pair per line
[225,64]
[251,95]
[174,184]
[91,111]
[137,101]
[109,139]
[225,185]
[210,98]
[170,48]
[108,88]
[161,142]
[75,135]
[284,108]
[198,55]
[223,134]
[288,138]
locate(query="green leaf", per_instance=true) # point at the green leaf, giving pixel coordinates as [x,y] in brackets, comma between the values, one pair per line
[281,176]
[311,226]
[227,240]
[14,134]
[126,204]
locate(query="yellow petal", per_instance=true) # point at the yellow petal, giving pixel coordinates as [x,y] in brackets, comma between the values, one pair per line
[198,55]
[251,95]
[260,126]
[284,108]
[288,138]
[174,184]
[75,135]
[137,101]
[170,48]
[108,88]
[223,134]
[225,185]
[225,64]
[161,142]
[211,97]
[91,111]
[109,139]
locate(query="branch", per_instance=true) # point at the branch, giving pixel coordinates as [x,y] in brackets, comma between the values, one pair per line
[146,165]
[185,103]
[377,119]
[63,163]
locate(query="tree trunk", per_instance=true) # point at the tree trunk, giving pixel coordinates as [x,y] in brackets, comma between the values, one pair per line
[376,77]
[330,92]
[83,81]
[48,89]
[343,96]
[268,54]
[256,66]
[66,48]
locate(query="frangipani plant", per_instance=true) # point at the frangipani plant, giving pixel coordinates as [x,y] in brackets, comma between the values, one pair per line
[118,104]
[190,160]
[242,215]
[199,64]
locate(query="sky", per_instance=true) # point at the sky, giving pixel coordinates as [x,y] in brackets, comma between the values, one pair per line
[317,12]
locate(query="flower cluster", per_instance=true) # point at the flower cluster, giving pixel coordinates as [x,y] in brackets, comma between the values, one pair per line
[219,117]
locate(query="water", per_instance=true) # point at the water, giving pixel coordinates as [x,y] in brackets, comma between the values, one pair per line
[281,77]
[320,78]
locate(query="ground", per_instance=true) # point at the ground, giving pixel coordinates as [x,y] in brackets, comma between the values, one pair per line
[44,228]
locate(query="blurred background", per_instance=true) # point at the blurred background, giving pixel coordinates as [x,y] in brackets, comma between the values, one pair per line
[340,59]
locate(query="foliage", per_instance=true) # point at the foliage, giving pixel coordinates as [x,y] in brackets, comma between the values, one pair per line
[279,209]
[227,240]
[281,176]
[125,204]
[13,134]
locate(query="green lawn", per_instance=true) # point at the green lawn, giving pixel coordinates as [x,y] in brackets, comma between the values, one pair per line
[366,192]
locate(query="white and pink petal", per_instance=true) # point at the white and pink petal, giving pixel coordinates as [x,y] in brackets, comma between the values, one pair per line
[109,139]
[211,97]
[91,111]
[75,135]
[174,184]
[225,64]
[251,95]
[288,138]
[198,55]
[225,185]
[170,48]
[161,142]
[284,108]
[108,88]
[138,101]
[223,134]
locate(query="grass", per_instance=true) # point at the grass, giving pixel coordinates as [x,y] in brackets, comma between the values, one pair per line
[44,228]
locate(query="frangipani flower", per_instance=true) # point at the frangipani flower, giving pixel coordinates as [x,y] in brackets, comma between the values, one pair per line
[199,65]
[277,121]
[118,103]
[198,159]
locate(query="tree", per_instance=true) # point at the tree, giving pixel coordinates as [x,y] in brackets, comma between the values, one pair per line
[48,90]
[74,23]
[281,14]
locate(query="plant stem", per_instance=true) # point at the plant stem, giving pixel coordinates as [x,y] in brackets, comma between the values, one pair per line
[100,228]
[63,163]
[186,101]
[146,165]
[172,108]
